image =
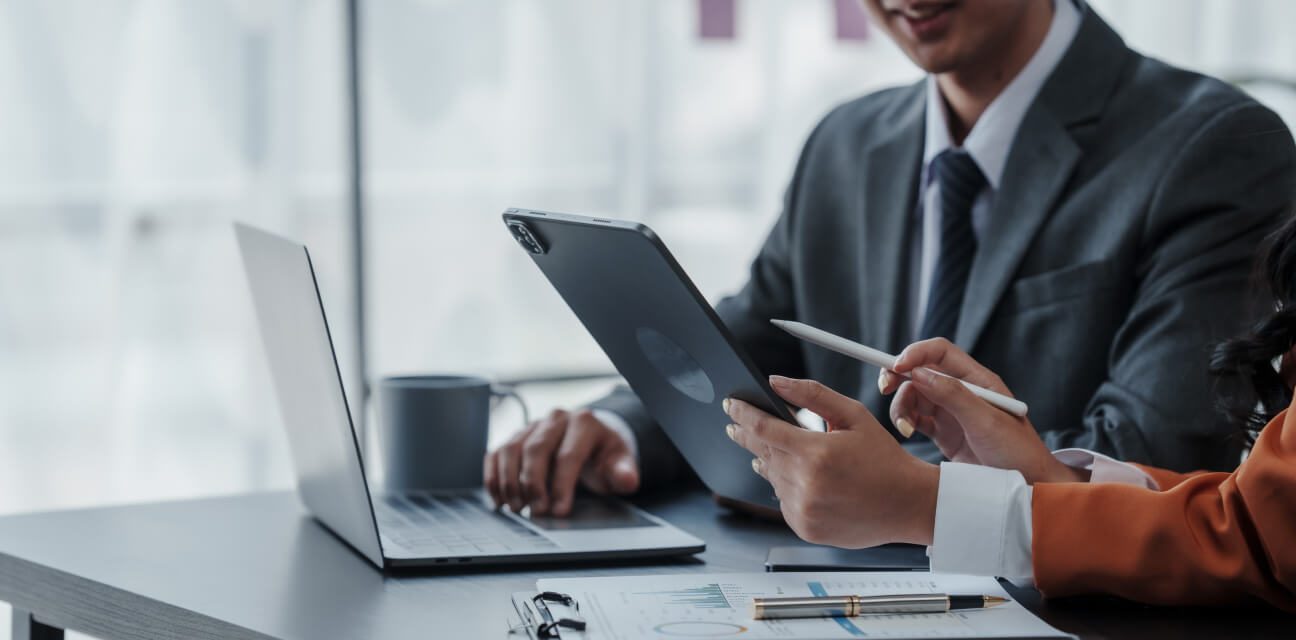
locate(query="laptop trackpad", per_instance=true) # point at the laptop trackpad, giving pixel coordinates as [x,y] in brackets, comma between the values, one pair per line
[591,512]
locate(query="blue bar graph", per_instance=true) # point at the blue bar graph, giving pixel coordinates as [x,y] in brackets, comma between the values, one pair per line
[705,597]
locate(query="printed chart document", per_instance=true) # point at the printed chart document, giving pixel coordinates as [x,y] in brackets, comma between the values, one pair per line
[720,606]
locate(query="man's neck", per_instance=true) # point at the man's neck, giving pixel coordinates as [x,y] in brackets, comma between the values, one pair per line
[969,89]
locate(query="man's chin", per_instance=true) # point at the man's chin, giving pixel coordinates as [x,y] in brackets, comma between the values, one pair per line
[934,61]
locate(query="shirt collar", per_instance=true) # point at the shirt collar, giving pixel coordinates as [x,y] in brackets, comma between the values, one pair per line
[991,137]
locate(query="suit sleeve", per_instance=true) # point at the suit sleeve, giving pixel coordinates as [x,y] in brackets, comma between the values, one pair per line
[767,294]
[1213,539]
[1229,186]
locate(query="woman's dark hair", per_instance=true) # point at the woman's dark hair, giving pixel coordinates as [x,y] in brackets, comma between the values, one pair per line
[1250,391]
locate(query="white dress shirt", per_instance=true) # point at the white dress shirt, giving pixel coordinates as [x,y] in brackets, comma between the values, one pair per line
[988,143]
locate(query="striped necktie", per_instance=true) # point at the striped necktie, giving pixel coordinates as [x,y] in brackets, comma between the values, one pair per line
[959,180]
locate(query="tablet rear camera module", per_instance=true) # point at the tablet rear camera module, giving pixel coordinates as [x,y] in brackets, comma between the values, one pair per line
[525,237]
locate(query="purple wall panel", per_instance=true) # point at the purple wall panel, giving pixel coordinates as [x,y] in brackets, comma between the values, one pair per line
[717,19]
[852,22]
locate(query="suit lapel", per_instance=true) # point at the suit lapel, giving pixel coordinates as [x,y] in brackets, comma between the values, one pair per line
[890,188]
[1043,157]
[1037,170]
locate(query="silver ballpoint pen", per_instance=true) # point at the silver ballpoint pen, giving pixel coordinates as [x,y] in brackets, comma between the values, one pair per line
[851,606]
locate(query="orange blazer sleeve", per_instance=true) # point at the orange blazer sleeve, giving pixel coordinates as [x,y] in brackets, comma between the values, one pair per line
[1165,478]
[1210,539]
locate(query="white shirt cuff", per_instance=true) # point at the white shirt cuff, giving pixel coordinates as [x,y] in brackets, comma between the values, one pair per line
[1105,469]
[983,523]
[615,422]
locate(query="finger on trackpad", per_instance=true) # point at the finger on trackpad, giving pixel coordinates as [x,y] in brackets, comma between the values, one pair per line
[592,512]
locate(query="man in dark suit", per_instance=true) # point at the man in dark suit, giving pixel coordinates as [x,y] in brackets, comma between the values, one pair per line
[1068,211]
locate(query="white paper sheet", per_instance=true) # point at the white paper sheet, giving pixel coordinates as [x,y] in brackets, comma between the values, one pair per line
[719,606]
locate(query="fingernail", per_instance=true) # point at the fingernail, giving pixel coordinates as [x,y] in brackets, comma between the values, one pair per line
[729,431]
[882,381]
[756,465]
[724,404]
[905,427]
[924,375]
[780,382]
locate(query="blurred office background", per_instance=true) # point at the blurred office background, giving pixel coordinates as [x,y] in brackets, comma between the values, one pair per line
[134,131]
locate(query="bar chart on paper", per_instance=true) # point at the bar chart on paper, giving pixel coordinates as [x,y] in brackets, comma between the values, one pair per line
[704,611]
[709,596]
[720,606]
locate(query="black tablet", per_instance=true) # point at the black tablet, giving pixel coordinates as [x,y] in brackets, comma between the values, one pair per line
[887,557]
[660,333]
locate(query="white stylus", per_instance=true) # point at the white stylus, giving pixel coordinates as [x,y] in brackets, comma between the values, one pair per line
[886,361]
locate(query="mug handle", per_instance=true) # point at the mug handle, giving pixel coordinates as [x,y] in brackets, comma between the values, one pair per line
[499,391]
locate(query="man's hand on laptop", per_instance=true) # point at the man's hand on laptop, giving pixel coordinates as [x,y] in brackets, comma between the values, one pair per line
[540,466]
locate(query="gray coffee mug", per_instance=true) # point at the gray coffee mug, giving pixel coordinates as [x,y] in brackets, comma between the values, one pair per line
[433,430]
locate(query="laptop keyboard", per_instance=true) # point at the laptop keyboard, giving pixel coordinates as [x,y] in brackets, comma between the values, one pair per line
[452,524]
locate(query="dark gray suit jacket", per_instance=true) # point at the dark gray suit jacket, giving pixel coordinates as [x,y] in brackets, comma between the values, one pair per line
[1118,249]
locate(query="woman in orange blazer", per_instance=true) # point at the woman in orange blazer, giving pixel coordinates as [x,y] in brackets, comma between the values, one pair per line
[1072,521]
[1198,538]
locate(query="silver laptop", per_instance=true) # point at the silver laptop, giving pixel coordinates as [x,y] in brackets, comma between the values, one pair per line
[424,528]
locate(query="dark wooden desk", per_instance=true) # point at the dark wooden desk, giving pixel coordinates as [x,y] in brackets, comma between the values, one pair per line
[256,566]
